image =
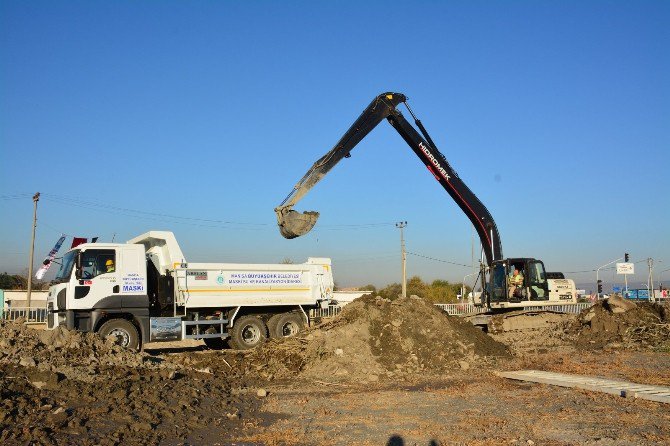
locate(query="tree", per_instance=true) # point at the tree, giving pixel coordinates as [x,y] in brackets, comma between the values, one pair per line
[417,287]
[6,282]
[391,291]
[438,292]
[14,282]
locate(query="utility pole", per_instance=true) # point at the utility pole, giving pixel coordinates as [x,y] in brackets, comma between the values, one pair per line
[401,225]
[650,279]
[36,198]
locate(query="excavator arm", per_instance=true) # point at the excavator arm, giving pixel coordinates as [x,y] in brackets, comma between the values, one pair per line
[294,224]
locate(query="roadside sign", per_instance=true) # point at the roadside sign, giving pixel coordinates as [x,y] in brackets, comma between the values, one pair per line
[616,289]
[625,268]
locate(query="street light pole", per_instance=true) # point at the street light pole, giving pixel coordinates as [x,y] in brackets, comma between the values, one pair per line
[463,287]
[598,274]
[36,198]
[401,225]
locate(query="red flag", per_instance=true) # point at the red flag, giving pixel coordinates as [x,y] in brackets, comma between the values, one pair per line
[76,241]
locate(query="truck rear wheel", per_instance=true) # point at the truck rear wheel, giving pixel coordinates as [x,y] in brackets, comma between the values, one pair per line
[248,332]
[123,330]
[288,325]
[272,324]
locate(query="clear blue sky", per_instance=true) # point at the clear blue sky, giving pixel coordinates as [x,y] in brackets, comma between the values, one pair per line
[556,114]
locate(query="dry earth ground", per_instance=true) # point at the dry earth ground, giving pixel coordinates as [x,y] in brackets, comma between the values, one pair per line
[82,390]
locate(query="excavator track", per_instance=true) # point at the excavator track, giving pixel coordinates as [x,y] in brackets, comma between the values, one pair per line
[520,320]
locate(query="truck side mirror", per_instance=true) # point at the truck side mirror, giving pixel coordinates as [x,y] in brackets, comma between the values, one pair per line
[77,270]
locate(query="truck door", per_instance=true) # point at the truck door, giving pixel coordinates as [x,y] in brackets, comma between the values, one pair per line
[133,277]
[98,282]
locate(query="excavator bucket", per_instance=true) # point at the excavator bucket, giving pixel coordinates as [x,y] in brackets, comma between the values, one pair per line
[293,224]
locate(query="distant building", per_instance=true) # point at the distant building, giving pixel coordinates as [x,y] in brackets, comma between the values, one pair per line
[346,295]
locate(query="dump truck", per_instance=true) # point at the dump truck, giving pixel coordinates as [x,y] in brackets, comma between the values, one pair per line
[144,290]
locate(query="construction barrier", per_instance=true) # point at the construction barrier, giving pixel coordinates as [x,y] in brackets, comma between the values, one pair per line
[38,315]
[33,315]
[464,309]
[325,313]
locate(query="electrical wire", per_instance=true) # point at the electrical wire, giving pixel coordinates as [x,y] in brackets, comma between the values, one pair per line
[439,260]
[127,211]
[15,196]
[178,219]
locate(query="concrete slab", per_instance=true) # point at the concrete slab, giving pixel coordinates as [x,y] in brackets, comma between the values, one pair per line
[624,389]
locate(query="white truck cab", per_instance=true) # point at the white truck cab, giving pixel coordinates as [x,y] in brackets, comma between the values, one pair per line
[145,291]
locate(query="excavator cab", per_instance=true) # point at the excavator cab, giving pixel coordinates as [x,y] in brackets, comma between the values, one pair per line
[530,285]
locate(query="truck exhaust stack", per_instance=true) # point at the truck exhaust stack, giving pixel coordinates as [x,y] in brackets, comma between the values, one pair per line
[294,224]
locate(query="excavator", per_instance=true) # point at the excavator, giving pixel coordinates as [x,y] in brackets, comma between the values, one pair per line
[499,289]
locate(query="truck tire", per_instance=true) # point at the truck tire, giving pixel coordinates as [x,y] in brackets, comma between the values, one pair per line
[124,330]
[272,324]
[288,325]
[248,332]
[215,343]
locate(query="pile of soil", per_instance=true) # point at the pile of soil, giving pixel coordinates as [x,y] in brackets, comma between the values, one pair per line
[645,325]
[63,387]
[72,354]
[373,339]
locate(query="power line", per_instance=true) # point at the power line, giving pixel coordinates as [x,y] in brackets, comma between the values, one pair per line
[154,216]
[93,204]
[438,260]
[14,196]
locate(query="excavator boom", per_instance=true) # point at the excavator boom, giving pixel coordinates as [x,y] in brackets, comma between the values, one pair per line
[294,224]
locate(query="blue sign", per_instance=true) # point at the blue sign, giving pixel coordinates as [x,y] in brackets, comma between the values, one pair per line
[616,289]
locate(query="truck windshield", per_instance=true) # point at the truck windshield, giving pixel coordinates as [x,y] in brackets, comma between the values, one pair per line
[66,266]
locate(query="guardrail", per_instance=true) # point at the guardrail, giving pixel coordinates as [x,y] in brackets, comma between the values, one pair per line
[463,309]
[565,308]
[36,315]
[457,309]
[325,313]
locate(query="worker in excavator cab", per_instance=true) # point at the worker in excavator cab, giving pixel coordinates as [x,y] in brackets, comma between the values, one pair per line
[515,282]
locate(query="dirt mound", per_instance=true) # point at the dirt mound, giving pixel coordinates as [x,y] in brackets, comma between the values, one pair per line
[374,338]
[73,354]
[644,325]
[65,387]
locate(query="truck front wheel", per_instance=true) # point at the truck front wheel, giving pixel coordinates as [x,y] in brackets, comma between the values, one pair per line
[248,332]
[123,330]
